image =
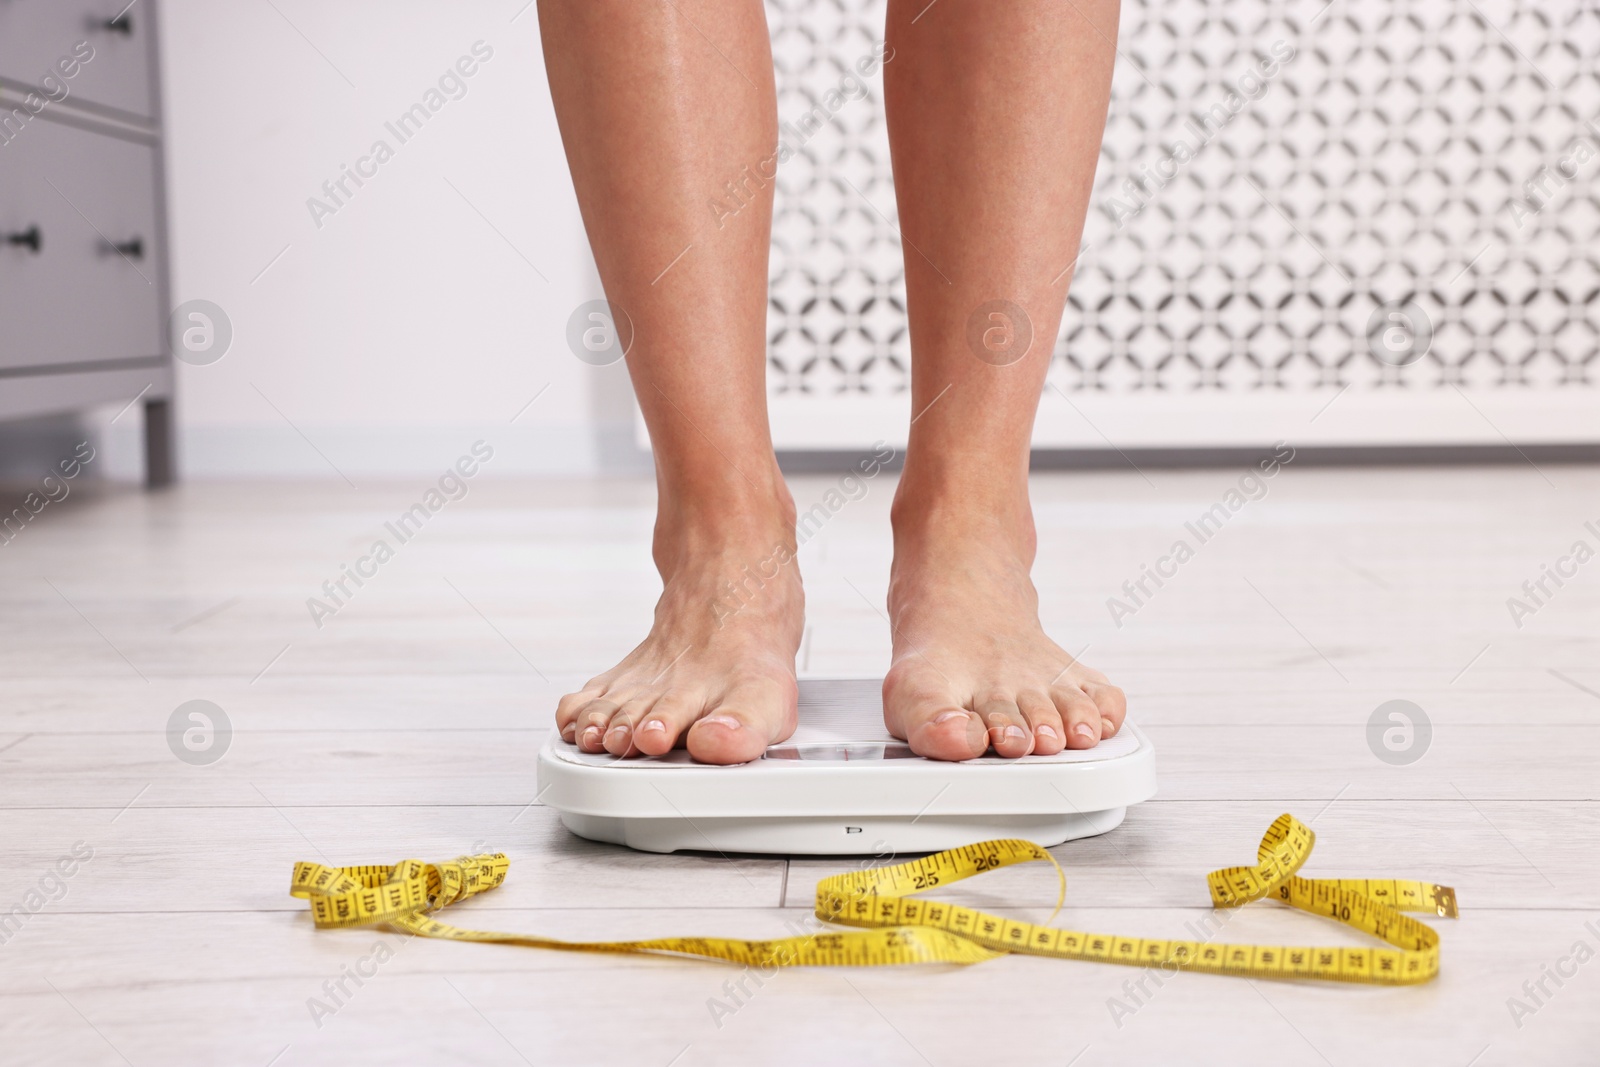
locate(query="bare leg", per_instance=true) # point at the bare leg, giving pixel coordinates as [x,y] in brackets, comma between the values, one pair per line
[660,105]
[995,117]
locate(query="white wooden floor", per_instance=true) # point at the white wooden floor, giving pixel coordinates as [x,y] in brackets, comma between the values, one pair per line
[408,724]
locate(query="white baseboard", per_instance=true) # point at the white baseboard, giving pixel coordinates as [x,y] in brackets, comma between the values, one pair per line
[335,452]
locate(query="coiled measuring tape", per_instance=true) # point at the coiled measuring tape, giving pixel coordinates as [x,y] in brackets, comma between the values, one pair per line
[900,929]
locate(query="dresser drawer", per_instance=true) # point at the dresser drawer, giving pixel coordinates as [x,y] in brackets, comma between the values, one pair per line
[109,62]
[91,291]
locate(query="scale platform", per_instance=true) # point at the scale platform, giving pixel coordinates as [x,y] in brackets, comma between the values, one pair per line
[842,786]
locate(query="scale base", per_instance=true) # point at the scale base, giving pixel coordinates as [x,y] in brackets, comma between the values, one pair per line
[841,786]
[834,836]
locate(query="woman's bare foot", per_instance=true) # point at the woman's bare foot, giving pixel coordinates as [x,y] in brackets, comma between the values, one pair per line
[716,672]
[972,668]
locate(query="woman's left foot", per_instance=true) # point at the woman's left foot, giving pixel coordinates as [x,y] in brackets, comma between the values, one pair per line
[972,669]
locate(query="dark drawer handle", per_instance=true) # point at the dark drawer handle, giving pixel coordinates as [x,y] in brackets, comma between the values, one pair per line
[133,248]
[29,237]
[122,24]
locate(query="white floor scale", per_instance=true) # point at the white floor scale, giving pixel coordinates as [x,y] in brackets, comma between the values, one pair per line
[842,786]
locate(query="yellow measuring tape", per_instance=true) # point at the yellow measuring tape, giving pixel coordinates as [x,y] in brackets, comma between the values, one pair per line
[900,929]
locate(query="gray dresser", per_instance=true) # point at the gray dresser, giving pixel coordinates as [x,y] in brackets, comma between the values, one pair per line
[83,234]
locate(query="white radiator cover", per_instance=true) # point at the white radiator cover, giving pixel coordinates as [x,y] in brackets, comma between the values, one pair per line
[1418,154]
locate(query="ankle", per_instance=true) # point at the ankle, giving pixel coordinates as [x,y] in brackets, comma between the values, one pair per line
[745,520]
[930,516]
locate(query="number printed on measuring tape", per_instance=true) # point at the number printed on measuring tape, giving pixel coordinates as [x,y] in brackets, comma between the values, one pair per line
[898,929]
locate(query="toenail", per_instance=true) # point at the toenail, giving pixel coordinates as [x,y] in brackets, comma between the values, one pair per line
[723,720]
[949,716]
[619,730]
[1045,731]
[1013,733]
[1083,729]
[654,726]
[591,735]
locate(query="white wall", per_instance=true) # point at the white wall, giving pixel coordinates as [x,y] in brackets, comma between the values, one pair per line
[407,325]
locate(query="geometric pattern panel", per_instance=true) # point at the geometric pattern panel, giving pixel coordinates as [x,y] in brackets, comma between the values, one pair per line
[836,316]
[1290,196]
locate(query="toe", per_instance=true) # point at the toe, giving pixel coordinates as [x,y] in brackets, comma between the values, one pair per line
[618,737]
[748,718]
[726,734]
[1113,705]
[658,730]
[1009,733]
[590,725]
[569,706]
[1049,735]
[1079,713]
[923,712]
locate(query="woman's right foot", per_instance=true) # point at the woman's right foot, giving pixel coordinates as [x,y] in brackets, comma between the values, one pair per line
[716,674]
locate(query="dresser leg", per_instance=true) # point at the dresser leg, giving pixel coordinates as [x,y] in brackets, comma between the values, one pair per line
[159,467]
